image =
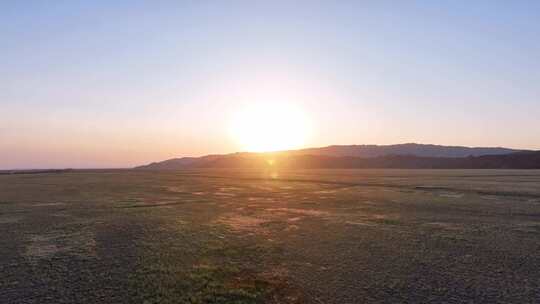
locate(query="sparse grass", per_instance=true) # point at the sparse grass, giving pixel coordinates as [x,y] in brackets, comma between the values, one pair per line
[199,285]
[387,221]
[314,236]
[220,272]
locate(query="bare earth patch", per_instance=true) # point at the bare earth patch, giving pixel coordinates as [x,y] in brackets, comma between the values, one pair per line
[176,189]
[9,219]
[359,223]
[48,204]
[81,243]
[41,247]
[224,194]
[299,211]
[528,227]
[241,222]
[446,226]
[451,195]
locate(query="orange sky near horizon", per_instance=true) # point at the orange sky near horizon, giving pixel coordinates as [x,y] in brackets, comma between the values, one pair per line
[101,84]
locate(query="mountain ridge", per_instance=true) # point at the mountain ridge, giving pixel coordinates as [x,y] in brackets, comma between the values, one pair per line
[409,155]
[427,150]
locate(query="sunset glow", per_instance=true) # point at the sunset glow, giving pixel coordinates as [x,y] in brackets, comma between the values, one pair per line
[270,127]
[94,84]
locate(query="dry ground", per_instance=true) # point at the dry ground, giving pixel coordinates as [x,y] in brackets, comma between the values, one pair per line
[315,236]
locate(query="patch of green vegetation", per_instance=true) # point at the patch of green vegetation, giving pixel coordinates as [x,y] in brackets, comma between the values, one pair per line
[200,285]
[215,275]
[454,238]
[224,285]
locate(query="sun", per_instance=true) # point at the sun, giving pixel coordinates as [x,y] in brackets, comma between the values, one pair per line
[270,127]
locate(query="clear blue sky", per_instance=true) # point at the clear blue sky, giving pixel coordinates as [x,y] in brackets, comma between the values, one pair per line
[121,83]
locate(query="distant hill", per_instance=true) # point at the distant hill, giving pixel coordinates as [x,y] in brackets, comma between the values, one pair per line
[403,149]
[395,156]
[175,163]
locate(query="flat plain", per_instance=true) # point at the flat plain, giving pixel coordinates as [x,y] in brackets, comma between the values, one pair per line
[248,236]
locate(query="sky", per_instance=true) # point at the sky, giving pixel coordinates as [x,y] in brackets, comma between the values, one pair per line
[123,83]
